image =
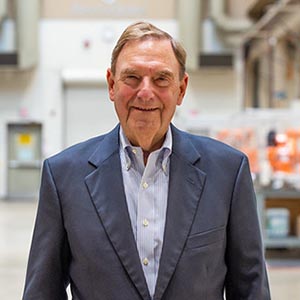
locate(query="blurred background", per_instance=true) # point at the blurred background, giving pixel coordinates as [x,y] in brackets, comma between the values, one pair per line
[244,66]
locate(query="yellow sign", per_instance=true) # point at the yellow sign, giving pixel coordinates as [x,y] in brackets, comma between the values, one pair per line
[25,139]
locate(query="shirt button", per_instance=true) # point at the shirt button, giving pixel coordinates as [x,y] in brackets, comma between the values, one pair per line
[134,151]
[145,261]
[145,223]
[145,185]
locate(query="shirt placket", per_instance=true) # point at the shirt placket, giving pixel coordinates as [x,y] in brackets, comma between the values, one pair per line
[146,227]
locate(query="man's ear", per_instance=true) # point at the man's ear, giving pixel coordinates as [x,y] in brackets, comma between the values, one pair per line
[183,86]
[110,83]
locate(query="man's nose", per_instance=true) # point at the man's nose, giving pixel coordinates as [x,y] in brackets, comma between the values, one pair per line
[146,89]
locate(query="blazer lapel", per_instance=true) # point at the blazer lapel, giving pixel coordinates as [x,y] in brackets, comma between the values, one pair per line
[185,188]
[105,185]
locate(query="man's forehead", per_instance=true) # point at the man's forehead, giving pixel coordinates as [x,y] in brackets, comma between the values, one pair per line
[138,43]
[137,54]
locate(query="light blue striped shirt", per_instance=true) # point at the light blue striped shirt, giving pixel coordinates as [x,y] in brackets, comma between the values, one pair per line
[146,190]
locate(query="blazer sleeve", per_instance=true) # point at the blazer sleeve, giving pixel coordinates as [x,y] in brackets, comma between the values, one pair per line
[47,271]
[246,276]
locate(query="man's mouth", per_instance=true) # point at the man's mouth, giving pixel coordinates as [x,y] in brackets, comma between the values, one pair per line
[148,109]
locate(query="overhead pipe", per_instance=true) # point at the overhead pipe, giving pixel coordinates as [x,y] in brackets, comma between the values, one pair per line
[223,21]
[261,31]
[191,30]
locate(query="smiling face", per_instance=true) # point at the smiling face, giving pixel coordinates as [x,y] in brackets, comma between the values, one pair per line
[145,89]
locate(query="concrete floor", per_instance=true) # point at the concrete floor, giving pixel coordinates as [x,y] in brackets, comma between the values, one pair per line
[16,223]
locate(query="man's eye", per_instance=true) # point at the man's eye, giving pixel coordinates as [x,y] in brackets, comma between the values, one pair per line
[131,79]
[162,81]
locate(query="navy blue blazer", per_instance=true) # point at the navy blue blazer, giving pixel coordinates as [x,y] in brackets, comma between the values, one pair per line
[83,233]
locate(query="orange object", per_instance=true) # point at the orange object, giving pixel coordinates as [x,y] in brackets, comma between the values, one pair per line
[282,156]
[244,140]
[294,136]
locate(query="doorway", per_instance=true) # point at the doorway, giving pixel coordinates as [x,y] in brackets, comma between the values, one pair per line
[24,157]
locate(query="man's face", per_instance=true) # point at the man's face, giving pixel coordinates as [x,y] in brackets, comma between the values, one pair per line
[145,90]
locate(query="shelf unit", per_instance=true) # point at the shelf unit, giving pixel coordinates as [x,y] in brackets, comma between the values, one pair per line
[289,199]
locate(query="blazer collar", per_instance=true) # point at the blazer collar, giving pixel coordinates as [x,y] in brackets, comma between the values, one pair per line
[181,146]
[108,146]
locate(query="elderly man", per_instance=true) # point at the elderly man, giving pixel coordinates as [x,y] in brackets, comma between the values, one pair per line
[147,211]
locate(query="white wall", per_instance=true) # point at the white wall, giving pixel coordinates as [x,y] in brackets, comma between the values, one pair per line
[38,95]
[212,92]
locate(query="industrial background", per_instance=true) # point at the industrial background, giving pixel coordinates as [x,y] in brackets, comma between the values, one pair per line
[244,66]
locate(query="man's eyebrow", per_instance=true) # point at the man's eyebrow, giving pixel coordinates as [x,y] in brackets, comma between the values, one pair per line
[165,73]
[128,71]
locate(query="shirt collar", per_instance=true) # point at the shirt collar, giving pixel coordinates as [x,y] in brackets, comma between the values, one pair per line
[164,152]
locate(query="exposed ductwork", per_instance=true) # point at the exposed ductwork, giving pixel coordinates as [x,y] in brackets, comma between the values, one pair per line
[223,21]
[274,44]
[208,33]
[280,19]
